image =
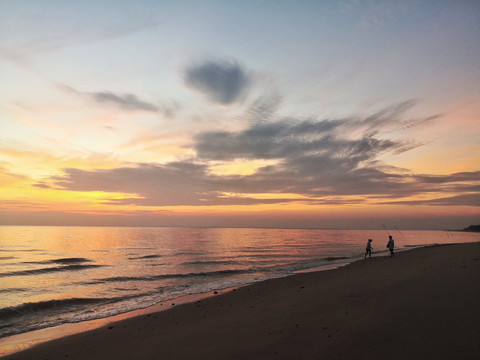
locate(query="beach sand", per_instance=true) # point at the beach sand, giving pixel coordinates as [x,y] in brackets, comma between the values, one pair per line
[421,304]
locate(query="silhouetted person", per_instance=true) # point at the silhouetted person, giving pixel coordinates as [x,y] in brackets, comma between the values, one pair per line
[391,245]
[368,249]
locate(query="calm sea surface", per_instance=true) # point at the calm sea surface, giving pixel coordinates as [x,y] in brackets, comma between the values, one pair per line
[55,275]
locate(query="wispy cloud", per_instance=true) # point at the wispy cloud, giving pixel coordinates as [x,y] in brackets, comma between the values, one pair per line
[127,102]
[472,199]
[264,107]
[124,101]
[73,25]
[7,177]
[223,82]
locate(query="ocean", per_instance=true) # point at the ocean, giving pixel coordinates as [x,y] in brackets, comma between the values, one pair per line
[50,276]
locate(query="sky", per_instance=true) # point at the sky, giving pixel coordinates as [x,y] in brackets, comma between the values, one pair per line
[315,114]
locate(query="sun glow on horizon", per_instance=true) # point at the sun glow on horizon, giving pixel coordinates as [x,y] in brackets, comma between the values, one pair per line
[108,126]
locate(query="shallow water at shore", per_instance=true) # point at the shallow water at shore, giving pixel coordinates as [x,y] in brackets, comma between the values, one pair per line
[55,275]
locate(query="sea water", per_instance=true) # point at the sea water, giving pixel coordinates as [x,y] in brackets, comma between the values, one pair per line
[55,275]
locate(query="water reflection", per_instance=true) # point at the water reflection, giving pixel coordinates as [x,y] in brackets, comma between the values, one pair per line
[121,269]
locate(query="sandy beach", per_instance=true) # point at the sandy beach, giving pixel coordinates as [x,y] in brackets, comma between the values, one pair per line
[421,304]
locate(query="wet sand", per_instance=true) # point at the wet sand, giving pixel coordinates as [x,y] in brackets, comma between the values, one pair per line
[421,304]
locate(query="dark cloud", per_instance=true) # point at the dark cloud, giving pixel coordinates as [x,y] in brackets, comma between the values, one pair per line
[290,138]
[439,179]
[223,82]
[160,185]
[172,184]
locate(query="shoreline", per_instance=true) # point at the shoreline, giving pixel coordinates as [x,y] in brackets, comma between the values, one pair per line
[23,341]
[267,304]
[19,342]
[15,343]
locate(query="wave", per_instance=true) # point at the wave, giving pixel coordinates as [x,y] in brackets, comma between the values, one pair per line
[7,257]
[167,276]
[145,257]
[333,258]
[280,256]
[21,250]
[31,307]
[186,252]
[70,260]
[75,267]
[12,290]
[212,262]
[60,261]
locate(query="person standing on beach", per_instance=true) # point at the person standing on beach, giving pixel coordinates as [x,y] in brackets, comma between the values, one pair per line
[368,249]
[391,245]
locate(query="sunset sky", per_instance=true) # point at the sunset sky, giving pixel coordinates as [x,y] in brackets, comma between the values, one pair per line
[329,114]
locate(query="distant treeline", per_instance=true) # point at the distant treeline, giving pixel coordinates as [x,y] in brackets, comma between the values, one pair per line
[472,228]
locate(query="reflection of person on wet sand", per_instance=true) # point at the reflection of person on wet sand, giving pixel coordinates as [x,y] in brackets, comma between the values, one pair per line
[391,245]
[368,249]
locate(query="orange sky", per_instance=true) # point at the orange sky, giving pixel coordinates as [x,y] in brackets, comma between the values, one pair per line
[338,115]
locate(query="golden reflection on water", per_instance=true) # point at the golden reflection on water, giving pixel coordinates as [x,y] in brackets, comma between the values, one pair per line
[98,253]
[39,249]
[103,271]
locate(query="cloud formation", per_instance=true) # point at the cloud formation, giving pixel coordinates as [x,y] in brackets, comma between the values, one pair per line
[322,161]
[223,82]
[323,139]
[188,184]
